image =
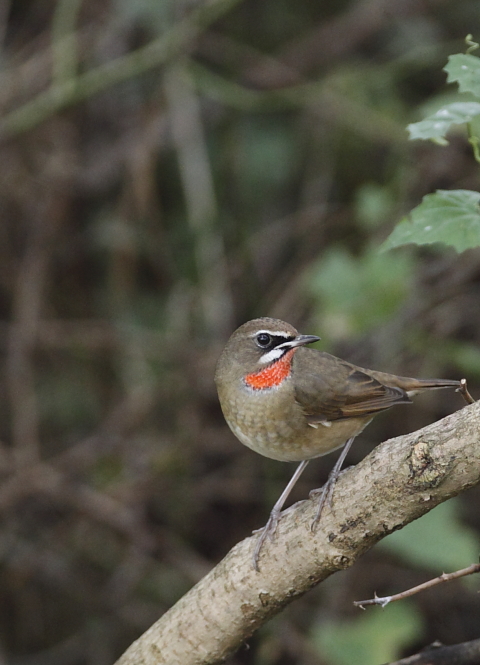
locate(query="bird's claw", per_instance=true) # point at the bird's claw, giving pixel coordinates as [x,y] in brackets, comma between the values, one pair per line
[268,531]
[326,496]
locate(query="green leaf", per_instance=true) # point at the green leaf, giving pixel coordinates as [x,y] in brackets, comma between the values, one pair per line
[437,125]
[465,70]
[449,217]
[377,636]
[438,540]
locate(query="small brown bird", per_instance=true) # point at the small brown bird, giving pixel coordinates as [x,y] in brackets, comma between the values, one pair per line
[292,404]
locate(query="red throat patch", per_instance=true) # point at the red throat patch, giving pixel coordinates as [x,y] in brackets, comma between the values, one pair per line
[273,375]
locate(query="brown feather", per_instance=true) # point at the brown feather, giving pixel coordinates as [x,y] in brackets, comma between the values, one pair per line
[333,389]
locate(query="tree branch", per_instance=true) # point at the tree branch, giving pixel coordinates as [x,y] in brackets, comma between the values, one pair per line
[444,577]
[466,653]
[398,482]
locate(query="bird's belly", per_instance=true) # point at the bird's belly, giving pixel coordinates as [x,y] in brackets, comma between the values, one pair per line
[278,428]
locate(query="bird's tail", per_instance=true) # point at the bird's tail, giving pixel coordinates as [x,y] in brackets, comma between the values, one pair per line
[413,386]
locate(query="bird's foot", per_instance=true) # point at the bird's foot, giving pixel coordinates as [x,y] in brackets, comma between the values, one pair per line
[268,531]
[326,496]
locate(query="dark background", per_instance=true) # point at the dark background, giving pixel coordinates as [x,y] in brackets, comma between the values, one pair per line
[256,172]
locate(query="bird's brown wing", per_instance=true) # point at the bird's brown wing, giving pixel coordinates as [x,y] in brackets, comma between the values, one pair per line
[328,388]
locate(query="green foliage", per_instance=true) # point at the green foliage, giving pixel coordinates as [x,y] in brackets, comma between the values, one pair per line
[358,293]
[377,636]
[449,217]
[439,123]
[437,541]
[464,69]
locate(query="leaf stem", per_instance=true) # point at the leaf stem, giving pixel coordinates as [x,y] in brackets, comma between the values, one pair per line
[474,142]
[472,46]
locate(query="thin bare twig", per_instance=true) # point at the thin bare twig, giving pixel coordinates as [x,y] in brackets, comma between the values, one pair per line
[444,577]
[463,390]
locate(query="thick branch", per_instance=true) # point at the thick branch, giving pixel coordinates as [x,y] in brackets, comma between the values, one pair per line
[398,482]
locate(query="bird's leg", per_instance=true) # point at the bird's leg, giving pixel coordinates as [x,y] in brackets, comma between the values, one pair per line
[327,489]
[270,527]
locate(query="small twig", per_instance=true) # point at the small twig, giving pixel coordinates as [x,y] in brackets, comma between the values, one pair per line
[159,51]
[444,577]
[64,40]
[463,390]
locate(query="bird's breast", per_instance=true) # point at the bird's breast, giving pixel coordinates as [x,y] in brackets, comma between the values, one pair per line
[272,423]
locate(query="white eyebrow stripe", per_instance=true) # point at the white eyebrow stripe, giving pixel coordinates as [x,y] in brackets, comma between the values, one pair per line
[272,355]
[273,334]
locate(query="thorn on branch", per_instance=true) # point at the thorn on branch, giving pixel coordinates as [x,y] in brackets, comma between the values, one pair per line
[444,577]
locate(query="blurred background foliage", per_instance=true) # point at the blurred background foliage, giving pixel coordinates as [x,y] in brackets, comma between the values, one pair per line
[170,169]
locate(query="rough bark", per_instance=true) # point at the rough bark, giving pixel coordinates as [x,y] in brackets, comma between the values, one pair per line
[398,482]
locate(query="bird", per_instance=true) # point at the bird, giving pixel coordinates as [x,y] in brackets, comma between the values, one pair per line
[293,404]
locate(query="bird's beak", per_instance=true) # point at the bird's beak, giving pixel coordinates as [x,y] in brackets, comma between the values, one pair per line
[301,340]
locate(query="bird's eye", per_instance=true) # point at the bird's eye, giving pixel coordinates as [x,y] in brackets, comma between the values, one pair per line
[263,340]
